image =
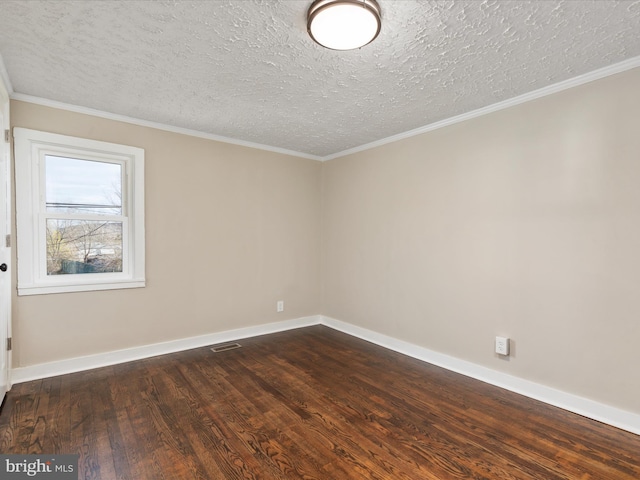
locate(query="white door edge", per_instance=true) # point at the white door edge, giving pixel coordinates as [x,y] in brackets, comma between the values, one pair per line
[5,247]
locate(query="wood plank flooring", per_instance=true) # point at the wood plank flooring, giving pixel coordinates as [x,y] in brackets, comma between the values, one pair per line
[306,404]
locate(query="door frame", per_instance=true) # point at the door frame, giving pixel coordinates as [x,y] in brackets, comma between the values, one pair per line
[6,238]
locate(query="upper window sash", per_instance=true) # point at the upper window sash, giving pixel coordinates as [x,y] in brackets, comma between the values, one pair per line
[64,195]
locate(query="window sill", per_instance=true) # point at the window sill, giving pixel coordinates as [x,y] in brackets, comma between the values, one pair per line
[79,287]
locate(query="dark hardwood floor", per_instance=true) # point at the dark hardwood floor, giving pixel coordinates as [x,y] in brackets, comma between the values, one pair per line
[305,404]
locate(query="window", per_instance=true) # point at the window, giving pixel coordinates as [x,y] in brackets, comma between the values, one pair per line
[80,214]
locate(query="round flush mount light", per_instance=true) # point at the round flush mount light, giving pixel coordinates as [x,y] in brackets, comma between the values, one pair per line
[344,24]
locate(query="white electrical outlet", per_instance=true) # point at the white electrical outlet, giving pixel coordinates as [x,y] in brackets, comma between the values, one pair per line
[502,345]
[280,306]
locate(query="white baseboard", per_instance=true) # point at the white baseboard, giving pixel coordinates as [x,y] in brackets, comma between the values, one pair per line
[587,408]
[88,362]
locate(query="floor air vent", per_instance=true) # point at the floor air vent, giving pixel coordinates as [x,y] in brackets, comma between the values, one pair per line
[225,347]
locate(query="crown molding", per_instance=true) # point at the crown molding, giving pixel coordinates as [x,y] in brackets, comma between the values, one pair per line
[159,126]
[527,97]
[614,69]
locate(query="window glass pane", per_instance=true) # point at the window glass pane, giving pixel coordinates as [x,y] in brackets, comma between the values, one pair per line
[83,246]
[83,186]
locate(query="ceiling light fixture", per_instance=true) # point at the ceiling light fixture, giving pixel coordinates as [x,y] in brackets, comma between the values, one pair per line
[344,24]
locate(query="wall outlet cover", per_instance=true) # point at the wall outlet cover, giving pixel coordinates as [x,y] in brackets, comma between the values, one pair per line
[502,345]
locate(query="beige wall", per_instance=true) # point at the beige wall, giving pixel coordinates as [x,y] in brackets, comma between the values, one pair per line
[524,222]
[230,230]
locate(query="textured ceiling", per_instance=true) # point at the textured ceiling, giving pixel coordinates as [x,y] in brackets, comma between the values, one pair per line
[247,70]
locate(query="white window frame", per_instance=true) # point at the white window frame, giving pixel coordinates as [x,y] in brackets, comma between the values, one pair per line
[30,148]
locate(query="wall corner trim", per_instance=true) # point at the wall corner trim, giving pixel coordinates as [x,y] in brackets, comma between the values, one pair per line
[4,77]
[582,406]
[88,362]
